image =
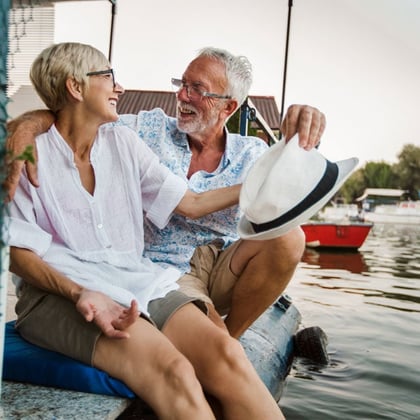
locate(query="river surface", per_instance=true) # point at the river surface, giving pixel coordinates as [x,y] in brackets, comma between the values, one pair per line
[368,304]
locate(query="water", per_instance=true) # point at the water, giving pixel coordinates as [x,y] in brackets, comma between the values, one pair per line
[368,303]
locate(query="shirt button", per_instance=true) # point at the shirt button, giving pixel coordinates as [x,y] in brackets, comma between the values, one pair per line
[100,226]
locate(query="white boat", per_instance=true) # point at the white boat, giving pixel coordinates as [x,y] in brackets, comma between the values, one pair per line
[339,213]
[404,212]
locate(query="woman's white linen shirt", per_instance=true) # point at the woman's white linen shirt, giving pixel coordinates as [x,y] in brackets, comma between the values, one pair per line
[98,240]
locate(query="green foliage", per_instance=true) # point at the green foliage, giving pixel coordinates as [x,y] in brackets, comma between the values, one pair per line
[407,170]
[27,154]
[353,187]
[379,175]
[405,175]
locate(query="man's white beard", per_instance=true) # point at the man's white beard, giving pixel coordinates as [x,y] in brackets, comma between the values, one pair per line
[189,127]
[198,124]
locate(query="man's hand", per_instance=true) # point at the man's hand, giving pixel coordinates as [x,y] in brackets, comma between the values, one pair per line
[17,143]
[22,132]
[308,122]
[111,317]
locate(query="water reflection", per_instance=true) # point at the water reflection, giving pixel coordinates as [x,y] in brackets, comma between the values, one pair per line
[323,259]
[385,272]
[393,249]
[368,304]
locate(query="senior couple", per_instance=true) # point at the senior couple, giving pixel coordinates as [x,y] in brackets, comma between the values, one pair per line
[127,249]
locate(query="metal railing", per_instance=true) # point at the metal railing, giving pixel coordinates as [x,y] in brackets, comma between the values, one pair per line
[250,113]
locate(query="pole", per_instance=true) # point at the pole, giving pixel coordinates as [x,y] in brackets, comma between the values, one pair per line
[4,250]
[111,37]
[243,118]
[286,54]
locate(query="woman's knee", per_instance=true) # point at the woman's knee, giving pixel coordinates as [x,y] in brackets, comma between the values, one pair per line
[229,356]
[166,373]
[178,372]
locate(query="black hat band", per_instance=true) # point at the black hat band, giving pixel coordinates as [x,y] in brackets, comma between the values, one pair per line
[325,185]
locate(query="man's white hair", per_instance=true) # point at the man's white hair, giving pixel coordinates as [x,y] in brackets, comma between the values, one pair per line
[238,72]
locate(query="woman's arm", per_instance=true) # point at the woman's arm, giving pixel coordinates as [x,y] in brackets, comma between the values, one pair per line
[194,205]
[111,317]
[29,266]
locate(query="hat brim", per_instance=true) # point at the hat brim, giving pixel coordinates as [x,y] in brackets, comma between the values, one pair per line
[246,231]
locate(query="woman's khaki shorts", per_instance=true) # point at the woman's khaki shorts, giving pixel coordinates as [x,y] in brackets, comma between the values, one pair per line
[211,279]
[52,322]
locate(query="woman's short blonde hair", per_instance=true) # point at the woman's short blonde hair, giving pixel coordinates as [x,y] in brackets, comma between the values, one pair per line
[55,64]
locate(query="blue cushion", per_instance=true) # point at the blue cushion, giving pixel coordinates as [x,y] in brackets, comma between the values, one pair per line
[25,362]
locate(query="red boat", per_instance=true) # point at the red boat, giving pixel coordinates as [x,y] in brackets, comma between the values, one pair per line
[336,235]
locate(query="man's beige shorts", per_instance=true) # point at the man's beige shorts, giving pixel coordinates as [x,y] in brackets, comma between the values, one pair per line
[211,279]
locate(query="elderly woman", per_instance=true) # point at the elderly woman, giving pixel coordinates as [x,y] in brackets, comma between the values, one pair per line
[77,242]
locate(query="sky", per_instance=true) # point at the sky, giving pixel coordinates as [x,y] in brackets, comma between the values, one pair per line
[358,61]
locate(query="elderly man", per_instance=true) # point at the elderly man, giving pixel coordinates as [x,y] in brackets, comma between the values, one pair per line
[238,279]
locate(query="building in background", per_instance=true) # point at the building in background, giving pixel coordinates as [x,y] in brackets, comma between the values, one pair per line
[31,29]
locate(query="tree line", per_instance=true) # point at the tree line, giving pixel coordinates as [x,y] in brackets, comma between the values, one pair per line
[404,175]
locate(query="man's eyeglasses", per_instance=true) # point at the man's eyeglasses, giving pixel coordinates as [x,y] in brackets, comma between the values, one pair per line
[102,72]
[194,91]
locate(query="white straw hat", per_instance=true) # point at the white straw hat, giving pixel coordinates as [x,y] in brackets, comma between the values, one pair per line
[285,187]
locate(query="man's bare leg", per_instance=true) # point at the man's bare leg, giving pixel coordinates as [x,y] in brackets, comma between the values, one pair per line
[265,268]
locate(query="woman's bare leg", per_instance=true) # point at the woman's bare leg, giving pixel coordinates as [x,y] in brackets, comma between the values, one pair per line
[155,371]
[221,366]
